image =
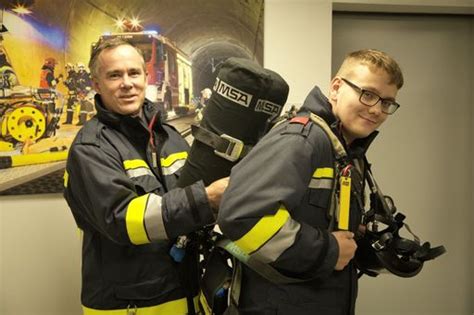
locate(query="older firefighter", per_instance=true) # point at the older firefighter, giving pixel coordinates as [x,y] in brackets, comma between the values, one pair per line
[120,183]
[279,208]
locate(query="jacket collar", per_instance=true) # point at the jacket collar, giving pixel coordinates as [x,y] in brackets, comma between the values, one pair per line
[114,119]
[317,103]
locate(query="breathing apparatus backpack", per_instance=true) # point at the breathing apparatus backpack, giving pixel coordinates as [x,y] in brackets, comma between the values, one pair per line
[246,101]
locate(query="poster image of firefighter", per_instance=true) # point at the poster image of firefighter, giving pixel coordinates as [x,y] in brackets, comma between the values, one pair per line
[46,91]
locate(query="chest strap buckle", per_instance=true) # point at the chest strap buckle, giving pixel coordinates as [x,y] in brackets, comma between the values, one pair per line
[234,148]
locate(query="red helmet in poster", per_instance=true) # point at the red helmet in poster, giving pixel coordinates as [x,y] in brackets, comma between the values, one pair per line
[50,62]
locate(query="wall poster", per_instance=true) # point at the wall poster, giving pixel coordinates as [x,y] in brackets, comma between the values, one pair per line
[45,85]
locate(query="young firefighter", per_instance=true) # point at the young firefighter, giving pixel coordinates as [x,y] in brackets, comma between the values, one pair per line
[120,183]
[278,208]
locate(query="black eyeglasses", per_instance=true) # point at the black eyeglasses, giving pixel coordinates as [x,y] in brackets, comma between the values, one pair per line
[369,98]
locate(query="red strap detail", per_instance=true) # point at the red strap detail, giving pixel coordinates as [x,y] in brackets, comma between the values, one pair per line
[300,120]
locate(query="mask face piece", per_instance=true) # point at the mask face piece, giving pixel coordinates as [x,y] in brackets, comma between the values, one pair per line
[382,249]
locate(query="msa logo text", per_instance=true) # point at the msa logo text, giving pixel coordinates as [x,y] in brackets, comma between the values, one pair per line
[268,107]
[232,93]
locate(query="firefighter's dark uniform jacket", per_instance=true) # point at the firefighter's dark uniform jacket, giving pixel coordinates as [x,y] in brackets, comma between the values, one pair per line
[131,213]
[276,210]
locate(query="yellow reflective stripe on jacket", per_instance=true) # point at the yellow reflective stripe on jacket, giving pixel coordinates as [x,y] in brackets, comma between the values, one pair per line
[322,178]
[173,168]
[170,159]
[280,242]
[131,164]
[66,178]
[173,162]
[137,168]
[135,220]
[265,228]
[326,172]
[153,219]
[176,307]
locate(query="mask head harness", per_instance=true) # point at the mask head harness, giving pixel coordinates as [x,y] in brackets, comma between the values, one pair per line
[382,248]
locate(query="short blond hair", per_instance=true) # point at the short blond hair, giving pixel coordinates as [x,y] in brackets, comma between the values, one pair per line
[375,60]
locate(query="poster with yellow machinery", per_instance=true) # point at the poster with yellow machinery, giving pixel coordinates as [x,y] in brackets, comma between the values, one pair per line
[46,92]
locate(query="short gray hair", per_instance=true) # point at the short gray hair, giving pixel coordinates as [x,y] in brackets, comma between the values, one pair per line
[105,44]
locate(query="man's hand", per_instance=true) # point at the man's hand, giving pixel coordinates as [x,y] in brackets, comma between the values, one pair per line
[347,248]
[215,190]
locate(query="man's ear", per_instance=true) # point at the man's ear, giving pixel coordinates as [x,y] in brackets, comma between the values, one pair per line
[336,83]
[95,85]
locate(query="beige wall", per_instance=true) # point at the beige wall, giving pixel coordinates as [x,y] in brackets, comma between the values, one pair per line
[297,44]
[39,249]
[40,257]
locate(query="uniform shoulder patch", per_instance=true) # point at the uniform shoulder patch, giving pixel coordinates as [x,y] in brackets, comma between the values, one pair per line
[298,125]
[300,120]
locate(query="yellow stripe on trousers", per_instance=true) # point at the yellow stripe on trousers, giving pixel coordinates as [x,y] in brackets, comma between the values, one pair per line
[176,307]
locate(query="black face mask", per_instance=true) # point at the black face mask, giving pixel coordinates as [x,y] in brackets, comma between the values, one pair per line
[381,248]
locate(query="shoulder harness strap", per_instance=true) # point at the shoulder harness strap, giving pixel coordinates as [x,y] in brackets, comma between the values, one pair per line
[337,145]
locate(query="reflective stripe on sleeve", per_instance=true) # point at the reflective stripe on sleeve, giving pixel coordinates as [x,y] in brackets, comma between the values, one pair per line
[154,220]
[172,163]
[322,178]
[261,232]
[137,168]
[135,220]
[280,242]
[176,307]
[144,220]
